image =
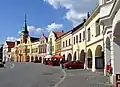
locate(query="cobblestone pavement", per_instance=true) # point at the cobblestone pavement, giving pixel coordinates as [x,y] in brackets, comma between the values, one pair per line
[84,78]
[29,75]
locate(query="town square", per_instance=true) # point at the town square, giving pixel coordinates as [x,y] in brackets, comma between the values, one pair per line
[80,49]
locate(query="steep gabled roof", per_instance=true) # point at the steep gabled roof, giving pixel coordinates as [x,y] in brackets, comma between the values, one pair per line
[34,39]
[77,27]
[58,34]
[10,44]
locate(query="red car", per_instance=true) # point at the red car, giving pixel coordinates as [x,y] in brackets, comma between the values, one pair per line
[74,65]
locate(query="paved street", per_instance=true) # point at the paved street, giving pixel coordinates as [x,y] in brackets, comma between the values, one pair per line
[84,78]
[29,75]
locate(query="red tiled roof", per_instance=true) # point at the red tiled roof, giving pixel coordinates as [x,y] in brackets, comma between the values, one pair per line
[58,34]
[10,44]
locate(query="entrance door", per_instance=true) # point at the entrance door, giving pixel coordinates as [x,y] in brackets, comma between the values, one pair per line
[89,62]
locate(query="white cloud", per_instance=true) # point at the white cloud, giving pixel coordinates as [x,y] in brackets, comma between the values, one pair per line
[76,9]
[54,27]
[33,30]
[37,31]
[11,39]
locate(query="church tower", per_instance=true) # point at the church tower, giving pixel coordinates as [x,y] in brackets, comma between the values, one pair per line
[25,32]
[23,41]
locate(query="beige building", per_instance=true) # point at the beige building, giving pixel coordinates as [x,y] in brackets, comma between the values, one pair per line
[88,43]
[32,49]
[94,42]
[110,19]
[78,37]
[66,45]
[52,41]
[7,55]
[27,49]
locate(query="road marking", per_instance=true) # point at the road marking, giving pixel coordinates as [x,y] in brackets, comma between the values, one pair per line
[12,65]
[62,79]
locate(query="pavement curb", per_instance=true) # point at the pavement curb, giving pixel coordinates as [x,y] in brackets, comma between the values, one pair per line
[62,79]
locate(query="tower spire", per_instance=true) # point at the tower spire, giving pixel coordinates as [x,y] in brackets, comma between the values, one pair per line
[25,25]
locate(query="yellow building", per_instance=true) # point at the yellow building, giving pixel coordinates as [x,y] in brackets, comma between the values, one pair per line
[66,45]
[52,41]
[88,42]
[27,49]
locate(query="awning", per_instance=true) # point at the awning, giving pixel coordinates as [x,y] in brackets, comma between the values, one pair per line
[58,57]
[48,56]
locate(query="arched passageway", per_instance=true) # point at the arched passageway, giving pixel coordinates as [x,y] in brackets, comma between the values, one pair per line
[27,59]
[75,56]
[82,56]
[69,57]
[99,58]
[89,58]
[32,59]
[40,59]
[116,49]
[36,58]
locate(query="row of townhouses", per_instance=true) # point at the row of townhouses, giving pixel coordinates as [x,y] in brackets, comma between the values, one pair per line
[95,41]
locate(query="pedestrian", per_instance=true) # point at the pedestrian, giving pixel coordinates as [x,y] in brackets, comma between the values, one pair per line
[61,64]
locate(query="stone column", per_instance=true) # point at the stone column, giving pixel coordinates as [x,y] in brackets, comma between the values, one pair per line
[93,62]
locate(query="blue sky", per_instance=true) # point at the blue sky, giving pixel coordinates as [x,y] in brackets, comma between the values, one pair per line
[42,16]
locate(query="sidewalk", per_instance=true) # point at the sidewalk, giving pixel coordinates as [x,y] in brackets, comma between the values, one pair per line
[84,78]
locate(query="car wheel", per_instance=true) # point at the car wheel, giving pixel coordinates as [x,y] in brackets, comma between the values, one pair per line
[68,67]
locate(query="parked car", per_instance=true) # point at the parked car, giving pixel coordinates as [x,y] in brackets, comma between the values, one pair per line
[1,64]
[74,65]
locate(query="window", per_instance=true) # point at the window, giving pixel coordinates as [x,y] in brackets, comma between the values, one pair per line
[63,44]
[66,43]
[52,48]
[69,41]
[76,38]
[88,34]
[80,37]
[28,50]
[9,49]
[97,28]
[83,35]
[41,50]
[45,50]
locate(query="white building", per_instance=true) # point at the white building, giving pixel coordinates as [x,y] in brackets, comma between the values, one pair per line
[110,19]
[8,45]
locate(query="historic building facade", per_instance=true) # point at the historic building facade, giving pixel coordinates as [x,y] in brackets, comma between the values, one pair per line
[43,47]
[110,19]
[8,45]
[27,49]
[96,41]
[52,41]
[58,47]
[66,45]
[88,42]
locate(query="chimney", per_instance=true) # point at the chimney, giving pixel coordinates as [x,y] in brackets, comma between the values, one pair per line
[88,15]
[84,20]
